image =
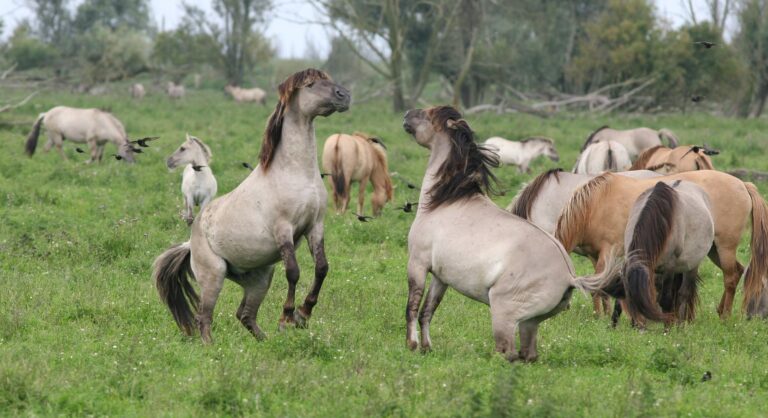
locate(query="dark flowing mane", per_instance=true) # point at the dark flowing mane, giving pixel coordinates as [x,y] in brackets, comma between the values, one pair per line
[467,170]
[644,158]
[274,132]
[592,136]
[524,201]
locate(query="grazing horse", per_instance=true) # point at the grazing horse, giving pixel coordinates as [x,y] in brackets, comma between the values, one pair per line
[521,153]
[669,232]
[175,91]
[597,215]
[357,157]
[92,126]
[468,243]
[603,156]
[675,160]
[137,91]
[198,185]
[242,95]
[242,234]
[634,140]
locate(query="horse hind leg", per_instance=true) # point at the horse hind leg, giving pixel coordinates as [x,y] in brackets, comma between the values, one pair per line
[725,259]
[688,296]
[434,295]
[288,255]
[210,271]
[255,287]
[528,331]
[361,195]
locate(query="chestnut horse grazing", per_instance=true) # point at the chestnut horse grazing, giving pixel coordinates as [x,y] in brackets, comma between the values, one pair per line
[242,234]
[597,215]
[634,140]
[603,156]
[669,233]
[94,127]
[468,243]
[357,157]
[674,160]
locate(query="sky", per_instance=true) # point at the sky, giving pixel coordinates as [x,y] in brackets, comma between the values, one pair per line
[284,24]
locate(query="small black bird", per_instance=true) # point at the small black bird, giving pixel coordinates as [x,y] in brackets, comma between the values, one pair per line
[143,141]
[407,207]
[696,98]
[705,44]
[363,218]
[117,157]
[137,150]
[248,166]
[410,185]
[197,167]
[79,150]
[323,175]
[710,151]
[707,376]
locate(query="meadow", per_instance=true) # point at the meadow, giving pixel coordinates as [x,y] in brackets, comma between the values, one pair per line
[83,333]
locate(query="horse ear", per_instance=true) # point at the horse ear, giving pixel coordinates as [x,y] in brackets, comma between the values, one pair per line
[451,124]
[187,136]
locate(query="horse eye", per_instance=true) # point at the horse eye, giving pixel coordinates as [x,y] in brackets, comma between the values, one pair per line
[311,84]
[181,149]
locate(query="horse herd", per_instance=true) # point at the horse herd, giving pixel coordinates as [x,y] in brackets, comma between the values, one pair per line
[645,230]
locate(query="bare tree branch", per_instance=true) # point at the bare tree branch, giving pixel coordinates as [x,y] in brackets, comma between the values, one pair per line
[21,103]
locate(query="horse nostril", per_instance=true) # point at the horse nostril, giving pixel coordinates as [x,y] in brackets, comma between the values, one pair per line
[341,94]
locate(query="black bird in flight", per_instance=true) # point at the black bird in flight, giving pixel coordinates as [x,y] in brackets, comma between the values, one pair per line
[136,150]
[197,167]
[705,44]
[325,174]
[248,166]
[407,207]
[143,141]
[79,150]
[363,218]
[696,98]
[117,157]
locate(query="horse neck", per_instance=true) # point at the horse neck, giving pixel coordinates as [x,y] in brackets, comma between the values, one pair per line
[297,151]
[440,151]
[198,157]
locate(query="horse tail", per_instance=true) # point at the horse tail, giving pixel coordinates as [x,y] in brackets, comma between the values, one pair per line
[171,271]
[640,289]
[758,264]
[32,138]
[337,172]
[610,161]
[671,138]
[603,281]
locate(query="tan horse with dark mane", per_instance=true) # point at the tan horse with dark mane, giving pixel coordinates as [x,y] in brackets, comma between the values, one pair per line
[674,160]
[242,234]
[357,157]
[466,242]
[596,217]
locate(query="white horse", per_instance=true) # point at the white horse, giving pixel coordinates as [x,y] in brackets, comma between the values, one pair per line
[137,91]
[242,234]
[198,185]
[521,153]
[92,126]
[468,243]
[175,91]
[247,95]
[634,140]
[603,156]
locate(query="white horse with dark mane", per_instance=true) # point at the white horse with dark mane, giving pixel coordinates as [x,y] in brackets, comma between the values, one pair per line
[94,127]
[521,153]
[242,234]
[198,185]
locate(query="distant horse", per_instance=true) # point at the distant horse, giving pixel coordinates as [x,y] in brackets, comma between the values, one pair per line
[597,215]
[92,126]
[242,234]
[674,160]
[175,91]
[468,243]
[357,157]
[137,91]
[247,95]
[542,201]
[521,153]
[669,232]
[634,140]
[198,185]
[603,156]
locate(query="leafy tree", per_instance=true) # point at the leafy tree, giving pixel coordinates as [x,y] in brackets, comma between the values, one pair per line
[53,21]
[183,50]
[27,51]
[109,55]
[752,41]
[113,15]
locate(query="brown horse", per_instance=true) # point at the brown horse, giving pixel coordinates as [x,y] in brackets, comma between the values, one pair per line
[674,160]
[596,217]
[357,157]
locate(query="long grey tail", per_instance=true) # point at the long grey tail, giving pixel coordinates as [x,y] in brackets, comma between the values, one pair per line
[32,137]
[171,271]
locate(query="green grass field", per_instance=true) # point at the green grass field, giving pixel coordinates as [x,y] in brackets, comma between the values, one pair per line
[82,331]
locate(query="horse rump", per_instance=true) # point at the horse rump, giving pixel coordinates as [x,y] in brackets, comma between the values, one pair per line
[171,271]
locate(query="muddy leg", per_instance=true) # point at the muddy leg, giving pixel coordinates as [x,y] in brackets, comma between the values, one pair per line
[255,288]
[434,295]
[417,277]
[317,248]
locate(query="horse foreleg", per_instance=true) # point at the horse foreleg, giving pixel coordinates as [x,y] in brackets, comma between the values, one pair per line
[189,211]
[434,295]
[361,195]
[417,277]
[288,254]
[317,248]
[100,152]
[255,288]
[93,147]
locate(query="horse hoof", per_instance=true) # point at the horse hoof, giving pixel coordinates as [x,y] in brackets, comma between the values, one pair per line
[300,320]
[412,345]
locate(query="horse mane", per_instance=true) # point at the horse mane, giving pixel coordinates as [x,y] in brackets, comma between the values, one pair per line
[205,148]
[549,141]
[576,214]
[523,202]
[644,158]
[467,170]
[592,136]
[274,132]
